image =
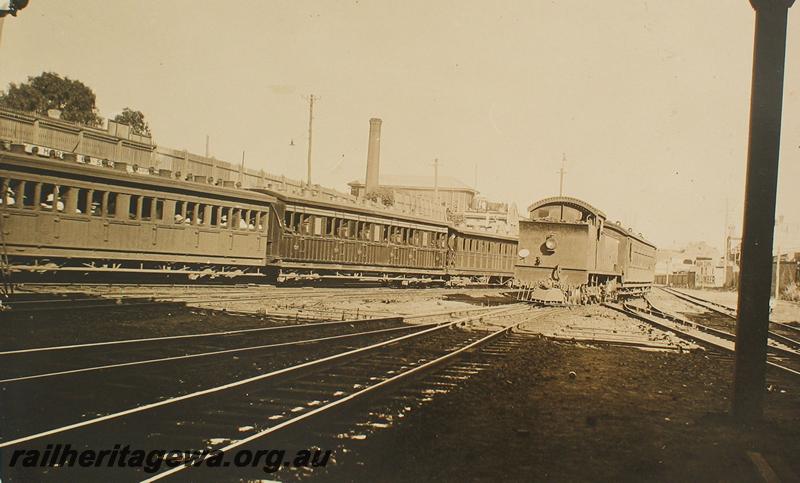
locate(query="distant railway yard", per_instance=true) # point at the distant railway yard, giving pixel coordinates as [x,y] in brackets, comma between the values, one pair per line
[447,383]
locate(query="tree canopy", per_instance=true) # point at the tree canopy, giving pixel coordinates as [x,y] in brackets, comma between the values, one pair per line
[134,119]
[49,90]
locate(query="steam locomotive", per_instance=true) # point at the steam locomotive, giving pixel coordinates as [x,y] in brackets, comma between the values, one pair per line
[570,253]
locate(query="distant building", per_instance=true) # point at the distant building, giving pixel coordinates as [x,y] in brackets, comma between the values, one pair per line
[465,205]
[456,195]
[697,258]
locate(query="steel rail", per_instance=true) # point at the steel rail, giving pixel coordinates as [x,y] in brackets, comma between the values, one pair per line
[647,316]
[338,402]
[236,331]
[211,353]
[249,380]
[730,312]
[721,308]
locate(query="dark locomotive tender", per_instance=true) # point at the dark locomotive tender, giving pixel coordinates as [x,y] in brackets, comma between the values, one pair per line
[568,247]
[65,212]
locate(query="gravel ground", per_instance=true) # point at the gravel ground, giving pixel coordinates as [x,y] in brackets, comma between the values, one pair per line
[595,323]
[628,415]
[56,327]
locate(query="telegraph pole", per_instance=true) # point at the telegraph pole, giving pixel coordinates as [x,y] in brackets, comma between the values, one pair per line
[310,123]
[561,173]
[10,7]
[241,169]
[778,224]
[436,179]
[725,247]
[766,101]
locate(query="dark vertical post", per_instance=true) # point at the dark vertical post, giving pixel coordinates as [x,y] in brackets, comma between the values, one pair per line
[759,213]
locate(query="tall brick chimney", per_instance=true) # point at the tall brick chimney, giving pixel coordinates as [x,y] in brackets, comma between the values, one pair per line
[373,155]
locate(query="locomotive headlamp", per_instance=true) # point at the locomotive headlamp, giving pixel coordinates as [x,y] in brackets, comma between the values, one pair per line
[550,242]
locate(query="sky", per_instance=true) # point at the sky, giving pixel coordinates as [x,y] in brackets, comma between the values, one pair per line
[647,100]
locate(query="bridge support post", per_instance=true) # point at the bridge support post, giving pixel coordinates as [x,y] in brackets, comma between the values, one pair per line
[759,212]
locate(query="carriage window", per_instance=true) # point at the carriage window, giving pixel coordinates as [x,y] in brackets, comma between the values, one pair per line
[146,211]
[239,220]
[110,204]
[190,213]
[287,219]
[158,212]
[135,208]
[11,191]
[94,203]
[7,194]
[340,228]
[225,213]
[364,231]
[305,224]
[377,231]
[214,218]
[202,214]
[319,225]
[29,194]
[48,195]
[179,213]
[81,200]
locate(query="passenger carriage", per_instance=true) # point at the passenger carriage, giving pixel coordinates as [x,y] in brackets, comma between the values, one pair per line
[73,216]
[319,239]
[480,257]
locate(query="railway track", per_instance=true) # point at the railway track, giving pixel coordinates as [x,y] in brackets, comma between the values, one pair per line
[779,332]
[29,302]
[281,398]
[38,362]
[785,360]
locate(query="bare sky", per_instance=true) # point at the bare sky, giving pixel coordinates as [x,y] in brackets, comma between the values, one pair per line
[648,99]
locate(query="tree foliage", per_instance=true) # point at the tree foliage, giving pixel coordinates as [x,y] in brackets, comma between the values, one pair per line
[73,98]
[134,119]
[385,195]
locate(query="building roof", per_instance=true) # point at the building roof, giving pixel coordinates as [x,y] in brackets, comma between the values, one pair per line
[418,182]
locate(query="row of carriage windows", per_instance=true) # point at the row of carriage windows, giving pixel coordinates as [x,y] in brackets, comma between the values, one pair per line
[334,227]
[484,246]
[124,206]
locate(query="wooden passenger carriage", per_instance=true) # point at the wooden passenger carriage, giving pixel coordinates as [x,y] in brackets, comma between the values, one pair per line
[321,239]
[67,215]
